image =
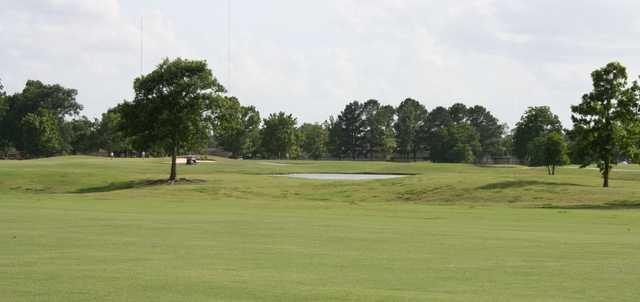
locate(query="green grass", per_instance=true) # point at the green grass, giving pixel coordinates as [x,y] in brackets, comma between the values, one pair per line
[89,229]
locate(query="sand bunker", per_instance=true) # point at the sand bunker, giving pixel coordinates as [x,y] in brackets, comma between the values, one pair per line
[345,176]
[183,161]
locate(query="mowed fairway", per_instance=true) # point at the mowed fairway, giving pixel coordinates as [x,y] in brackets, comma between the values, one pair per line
[88,229]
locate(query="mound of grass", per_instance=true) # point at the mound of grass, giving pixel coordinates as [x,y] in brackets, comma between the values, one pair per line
[83,228]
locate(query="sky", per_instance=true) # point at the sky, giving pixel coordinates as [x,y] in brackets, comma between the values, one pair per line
[310,58]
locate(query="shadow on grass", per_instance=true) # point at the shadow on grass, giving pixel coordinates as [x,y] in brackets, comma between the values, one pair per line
[114,186]
[134,184]
[514,184]
[618,205]
[498,166]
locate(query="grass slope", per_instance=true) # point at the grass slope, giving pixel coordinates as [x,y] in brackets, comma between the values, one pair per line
[82,228]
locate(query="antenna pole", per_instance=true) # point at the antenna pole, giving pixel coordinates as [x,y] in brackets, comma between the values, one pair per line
[228,44]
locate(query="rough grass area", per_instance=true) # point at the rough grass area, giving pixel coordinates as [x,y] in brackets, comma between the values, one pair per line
[92,229]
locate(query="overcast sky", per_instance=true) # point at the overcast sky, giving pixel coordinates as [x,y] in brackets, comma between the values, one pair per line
[311,57]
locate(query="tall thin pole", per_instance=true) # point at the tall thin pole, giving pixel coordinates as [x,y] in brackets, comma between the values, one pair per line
[228,84]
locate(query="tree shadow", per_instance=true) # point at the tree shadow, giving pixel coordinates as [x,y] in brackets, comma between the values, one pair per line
[499,166]
[514,184]
[616,205]
[134,184]
[111,187]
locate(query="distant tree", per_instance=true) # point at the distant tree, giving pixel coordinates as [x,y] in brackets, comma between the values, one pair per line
[170,108]
[334,136]
[40,136]
[4,135]
[458,113]
[109,136]
[411,117]
[439,118]
[506,145]
[252,140]
[489,128]
[79,135]
[59,101]
[429,133]
[607,118]
[549,150]
[280,136]
[350,129]
[235,127]
[369,127]
[314,140]
[379,135]
[43,102]
[456,143]
[385,137]
[535,122]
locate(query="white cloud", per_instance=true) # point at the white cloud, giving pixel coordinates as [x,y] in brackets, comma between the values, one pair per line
[88,45]
[311,57]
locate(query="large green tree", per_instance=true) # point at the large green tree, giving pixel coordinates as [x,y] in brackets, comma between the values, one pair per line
[171,107]
[334,135]
[378,132]
[109,134]
[458,113]
[47,106]
[79,135]
[350,129]
[535,122]
[40,136]
[455,143]
[606,119]
[280,136]
[235,127]
[549,150]
[489,129]
[314,140]
[411,117]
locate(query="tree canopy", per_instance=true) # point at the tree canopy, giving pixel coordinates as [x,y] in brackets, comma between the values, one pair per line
[411,116]
[181,107]
[535,122]
[455,143]
[171,108]
[378,132]
[549,150]
[235,127]
[607,118]
[38,110]
[314,140]
[39,134]
[280,136]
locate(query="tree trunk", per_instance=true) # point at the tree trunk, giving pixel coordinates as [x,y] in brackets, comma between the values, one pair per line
[172,176]
[553,170]
[605,175]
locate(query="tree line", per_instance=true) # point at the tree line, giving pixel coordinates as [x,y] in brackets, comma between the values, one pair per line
[181,107]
